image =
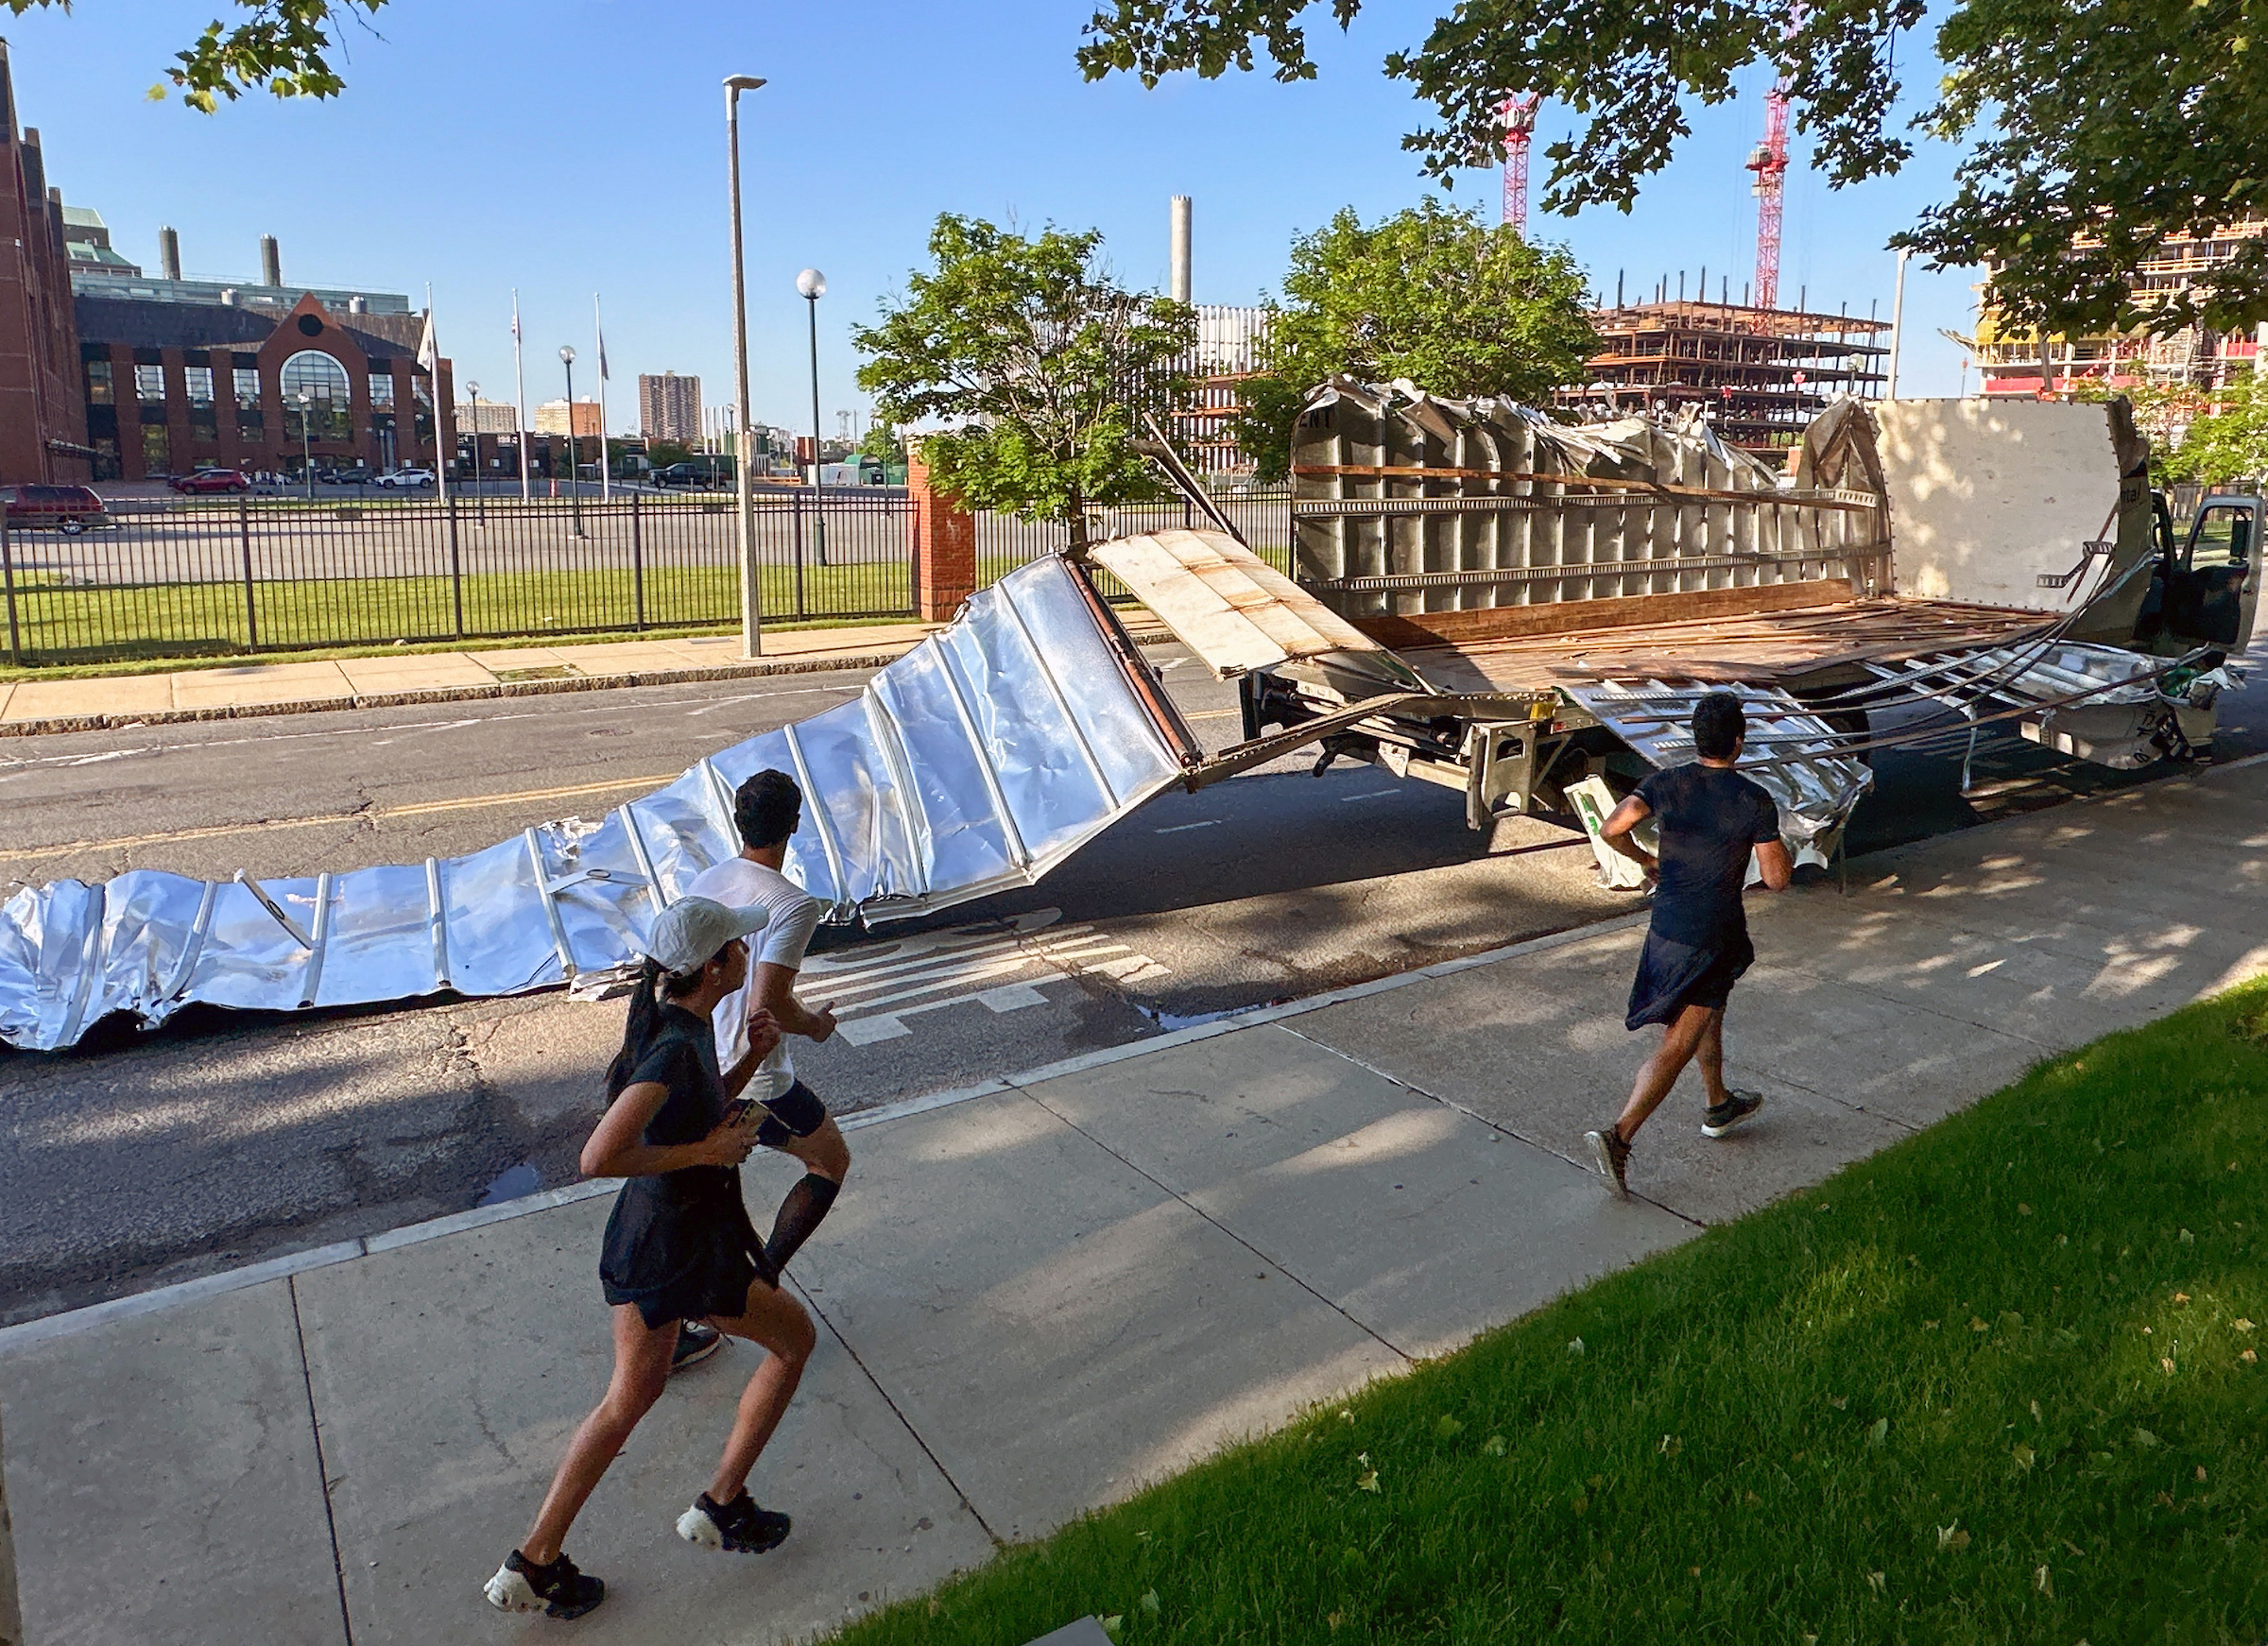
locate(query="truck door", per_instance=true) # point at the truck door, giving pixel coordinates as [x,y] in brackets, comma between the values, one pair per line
[2213,587]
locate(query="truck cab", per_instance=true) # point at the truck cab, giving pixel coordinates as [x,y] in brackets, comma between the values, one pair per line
[2205,588]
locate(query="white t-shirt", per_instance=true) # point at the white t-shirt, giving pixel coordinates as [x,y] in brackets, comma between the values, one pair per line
[795,914]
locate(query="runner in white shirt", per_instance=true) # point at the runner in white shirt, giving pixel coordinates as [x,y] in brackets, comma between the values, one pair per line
[765,810]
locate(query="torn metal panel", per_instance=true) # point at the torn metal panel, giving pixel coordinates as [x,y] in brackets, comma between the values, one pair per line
[2097,702]
[1815,785]
[1225,604]
[974,764]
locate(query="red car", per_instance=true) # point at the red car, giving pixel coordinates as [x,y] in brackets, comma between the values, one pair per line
[211,480]
[65,508]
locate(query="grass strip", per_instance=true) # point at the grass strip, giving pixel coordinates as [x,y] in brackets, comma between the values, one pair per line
[1996,1383]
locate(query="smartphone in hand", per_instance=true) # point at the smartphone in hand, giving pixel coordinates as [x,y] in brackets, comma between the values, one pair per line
[737,1110]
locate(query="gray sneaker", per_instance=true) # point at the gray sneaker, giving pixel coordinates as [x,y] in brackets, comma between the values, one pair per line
[1611,1156]
[1720,1118]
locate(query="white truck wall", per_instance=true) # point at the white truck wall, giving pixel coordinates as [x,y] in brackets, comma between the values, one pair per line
[1986,494]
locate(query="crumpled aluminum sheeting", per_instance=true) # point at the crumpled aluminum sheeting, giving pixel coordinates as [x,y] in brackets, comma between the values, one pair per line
[2113,723]
[974,764]
[1790,752]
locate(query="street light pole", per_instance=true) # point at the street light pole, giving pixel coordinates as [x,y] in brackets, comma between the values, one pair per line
[480,497]
[574,474]
[751,589]
[307,442]
[813,285]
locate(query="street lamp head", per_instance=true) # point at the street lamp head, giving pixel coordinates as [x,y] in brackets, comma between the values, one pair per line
[305,397]
[567,353]
[738,83]
[811,283]
[474,389]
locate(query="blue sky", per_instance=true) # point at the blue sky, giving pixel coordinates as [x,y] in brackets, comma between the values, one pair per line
[573,146]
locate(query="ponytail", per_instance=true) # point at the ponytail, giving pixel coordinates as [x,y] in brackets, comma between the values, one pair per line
[638,1026]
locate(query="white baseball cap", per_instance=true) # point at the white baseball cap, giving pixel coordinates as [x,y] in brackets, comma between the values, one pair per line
[690,932]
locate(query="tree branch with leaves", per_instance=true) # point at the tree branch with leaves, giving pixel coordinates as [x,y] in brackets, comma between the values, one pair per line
[1037,363]
[2096,128]
[281,46]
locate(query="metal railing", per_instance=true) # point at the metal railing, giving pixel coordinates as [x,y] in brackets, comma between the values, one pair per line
[168,578]
[245,576]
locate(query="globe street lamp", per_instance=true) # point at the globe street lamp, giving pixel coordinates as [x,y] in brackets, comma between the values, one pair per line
[751,589]
[575,495]
[307,441]
[812,285]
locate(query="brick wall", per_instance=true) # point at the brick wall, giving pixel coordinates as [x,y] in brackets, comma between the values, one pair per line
[944,547]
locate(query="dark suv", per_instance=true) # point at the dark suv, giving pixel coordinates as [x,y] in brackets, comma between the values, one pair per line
[701,475]
[65,508]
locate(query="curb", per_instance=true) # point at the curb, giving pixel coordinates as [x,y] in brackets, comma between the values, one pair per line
[31,1333]
[818,663]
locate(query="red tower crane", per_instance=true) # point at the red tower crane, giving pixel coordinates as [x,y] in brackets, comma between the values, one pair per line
[1769,162]
[1519,126]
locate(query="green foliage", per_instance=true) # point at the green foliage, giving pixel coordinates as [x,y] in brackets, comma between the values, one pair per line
[1457,305]
[882,443]
[661,453]
[2229,442]
[279,48]
[1038,364]
[2098,128]
[2000,1382]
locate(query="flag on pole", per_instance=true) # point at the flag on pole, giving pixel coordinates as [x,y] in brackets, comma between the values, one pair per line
[429,358]
[606,465]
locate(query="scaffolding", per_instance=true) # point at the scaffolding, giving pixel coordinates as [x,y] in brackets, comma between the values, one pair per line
[1759,376]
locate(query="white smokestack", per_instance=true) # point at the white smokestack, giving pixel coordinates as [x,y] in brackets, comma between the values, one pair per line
[1181,258]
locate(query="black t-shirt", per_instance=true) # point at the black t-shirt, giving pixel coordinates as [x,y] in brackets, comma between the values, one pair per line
[683,1058]
[1710,817]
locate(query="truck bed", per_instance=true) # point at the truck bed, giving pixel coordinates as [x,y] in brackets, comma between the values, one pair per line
[1802,649]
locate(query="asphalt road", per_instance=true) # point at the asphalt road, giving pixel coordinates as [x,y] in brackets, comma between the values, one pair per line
[142,1157]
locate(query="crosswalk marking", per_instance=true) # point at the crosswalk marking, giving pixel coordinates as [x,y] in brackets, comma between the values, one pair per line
[878,985]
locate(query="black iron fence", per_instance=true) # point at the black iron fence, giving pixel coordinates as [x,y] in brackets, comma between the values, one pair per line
[1263,516]
[238,575]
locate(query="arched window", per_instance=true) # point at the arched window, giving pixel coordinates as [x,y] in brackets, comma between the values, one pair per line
[330,403]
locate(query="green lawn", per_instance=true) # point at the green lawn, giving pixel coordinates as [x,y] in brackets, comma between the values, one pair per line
[1998,1383]
[59,624]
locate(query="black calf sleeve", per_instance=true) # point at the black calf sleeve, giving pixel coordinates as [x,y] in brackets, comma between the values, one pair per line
[799,1213]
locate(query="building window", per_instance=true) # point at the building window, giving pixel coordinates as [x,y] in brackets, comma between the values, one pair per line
[422,392]
[247,388]
[106,460]
[157,450]
[382,391]
[323,381]
[149,383]
[204,415]
[101,389]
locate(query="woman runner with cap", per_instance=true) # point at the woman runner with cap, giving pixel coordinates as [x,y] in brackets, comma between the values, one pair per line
[679,1246]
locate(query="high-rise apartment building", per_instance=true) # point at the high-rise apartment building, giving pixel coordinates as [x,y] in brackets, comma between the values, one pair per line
[669,407]
[551,419]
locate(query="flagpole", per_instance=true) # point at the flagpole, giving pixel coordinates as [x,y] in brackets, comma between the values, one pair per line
[432,351]
[520,388]
[606,465]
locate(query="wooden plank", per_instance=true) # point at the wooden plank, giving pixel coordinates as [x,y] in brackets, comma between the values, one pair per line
[1427,628]
[1229,607]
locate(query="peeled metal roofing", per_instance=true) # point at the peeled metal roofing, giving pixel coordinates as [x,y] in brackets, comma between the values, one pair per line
[973,764]
[1790,752]
[1231,607]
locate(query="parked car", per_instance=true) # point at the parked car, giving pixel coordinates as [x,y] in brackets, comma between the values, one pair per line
[211,480]
[405,477]
[354,474]
[70,509]
[700,475]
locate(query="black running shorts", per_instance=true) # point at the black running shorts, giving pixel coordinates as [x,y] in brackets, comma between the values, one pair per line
[795,1113]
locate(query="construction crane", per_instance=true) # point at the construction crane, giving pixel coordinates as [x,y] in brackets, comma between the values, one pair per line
[1768,160]
[1519,126]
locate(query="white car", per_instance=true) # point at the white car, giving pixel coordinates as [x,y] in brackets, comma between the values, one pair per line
[405,477]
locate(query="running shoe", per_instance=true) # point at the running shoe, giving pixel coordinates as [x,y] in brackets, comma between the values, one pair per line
[696,1343]
[1720,1118]
[739,1526]
[1611,1156]
[557,1590]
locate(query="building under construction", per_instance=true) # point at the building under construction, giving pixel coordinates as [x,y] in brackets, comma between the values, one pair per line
[1759,375]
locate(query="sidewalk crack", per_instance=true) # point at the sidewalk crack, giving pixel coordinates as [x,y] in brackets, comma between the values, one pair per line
[967,1503]
[322,1467]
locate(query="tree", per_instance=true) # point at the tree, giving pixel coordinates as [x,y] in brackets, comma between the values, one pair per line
[1430,293]
[1037,363]
[2226,435]
[882,443]
[2098,128]
[280,48]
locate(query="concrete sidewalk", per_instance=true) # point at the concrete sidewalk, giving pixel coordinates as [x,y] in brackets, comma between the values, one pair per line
[37,705]
[1039,1294]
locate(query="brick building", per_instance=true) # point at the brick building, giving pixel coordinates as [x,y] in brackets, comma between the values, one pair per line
[42,421]
[669,407]
[174,386]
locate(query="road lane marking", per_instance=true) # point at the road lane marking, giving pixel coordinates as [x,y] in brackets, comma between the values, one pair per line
[1185,828]
[374,814]
[1371,794]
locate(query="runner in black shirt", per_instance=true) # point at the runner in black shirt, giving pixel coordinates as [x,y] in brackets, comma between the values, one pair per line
[1710,817]
[679,1246]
